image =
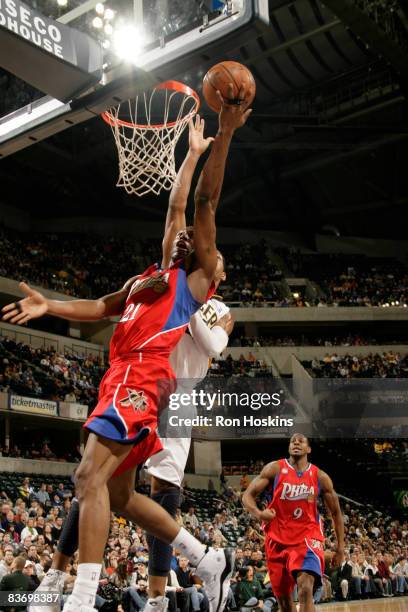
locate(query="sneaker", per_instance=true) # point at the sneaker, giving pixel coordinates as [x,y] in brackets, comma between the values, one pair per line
[73,604]
[53,582]
[156,604]
[216,568]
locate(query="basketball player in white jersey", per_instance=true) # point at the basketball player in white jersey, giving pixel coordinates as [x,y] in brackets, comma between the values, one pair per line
[209,330]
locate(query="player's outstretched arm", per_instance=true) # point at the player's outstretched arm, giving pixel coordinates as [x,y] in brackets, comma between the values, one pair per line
[332,504]
[212,342]
[176,212]
[256,487]
[35,305]
[207,193]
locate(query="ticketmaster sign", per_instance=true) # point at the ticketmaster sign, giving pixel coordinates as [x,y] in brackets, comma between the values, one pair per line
[33,405]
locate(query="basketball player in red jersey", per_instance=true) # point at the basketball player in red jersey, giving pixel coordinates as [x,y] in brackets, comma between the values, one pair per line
[293,528]
[158,307]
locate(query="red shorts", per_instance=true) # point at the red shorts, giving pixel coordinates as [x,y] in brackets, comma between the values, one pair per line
[285,562]
[140,453]
[130,395]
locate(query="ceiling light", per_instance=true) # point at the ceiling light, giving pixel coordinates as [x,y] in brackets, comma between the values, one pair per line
[128,42]
[109,14]
[97,23]
[99,8]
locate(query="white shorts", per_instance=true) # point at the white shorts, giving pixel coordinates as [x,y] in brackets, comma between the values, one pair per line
[169,464]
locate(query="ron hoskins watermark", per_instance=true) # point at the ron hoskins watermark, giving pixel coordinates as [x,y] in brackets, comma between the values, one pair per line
[206,401]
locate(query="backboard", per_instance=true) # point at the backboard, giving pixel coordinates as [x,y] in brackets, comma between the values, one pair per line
[144,42]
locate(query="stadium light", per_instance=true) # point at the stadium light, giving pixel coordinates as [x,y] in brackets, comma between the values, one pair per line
[108,29]
[109,14]
[97,23]
[62,2]
[99,8]
[128,42]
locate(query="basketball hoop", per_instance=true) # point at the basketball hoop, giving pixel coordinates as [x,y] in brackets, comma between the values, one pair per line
[146,147]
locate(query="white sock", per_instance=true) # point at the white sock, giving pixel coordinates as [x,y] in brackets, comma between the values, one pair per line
[86,583]
[189,546]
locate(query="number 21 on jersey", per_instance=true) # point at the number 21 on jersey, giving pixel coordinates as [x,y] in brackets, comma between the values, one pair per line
[130,312]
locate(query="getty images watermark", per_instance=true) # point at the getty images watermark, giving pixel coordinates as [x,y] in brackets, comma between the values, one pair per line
[211,401]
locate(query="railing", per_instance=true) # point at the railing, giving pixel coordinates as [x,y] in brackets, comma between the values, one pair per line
[32,339]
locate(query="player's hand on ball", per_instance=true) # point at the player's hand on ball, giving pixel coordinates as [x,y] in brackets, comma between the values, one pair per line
[267,515]
[32,306]
[234,111]
[226,322]
[196,141]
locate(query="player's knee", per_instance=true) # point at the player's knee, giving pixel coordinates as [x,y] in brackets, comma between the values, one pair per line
[88,481]
[168,497]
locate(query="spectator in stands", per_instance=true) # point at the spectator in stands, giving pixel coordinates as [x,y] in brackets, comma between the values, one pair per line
[29,530]
[62,492]
[25,490]
[190,519]
[6,563]
[384,574]
[16,581]
[248,587]
[42,495]
[198,600]
[399,571]
[42,566]
[48,535]
[28,570]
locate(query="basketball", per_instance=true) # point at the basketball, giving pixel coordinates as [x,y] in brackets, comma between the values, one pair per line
[220,76]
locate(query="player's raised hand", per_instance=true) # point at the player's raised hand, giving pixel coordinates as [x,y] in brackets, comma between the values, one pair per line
[267,515]
[196,141]
[34,305]
[234,111]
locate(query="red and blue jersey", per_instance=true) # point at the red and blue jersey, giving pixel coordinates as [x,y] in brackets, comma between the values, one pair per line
[157,311]
[294,499]
[140,378]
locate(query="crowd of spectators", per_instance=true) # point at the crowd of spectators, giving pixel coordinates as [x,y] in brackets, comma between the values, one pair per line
[375,564]
[254,276]
[244,366]
[43,372]
[385,365]
[41,450]
[352,280]
[308,340]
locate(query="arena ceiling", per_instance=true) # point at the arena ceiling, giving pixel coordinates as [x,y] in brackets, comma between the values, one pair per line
[326,145]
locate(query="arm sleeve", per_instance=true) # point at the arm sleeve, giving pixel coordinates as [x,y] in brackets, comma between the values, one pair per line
[210,341]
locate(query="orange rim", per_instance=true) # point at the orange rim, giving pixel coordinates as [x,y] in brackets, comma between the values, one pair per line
[172,86]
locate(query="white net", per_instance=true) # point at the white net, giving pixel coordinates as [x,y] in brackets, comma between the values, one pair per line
[146,132]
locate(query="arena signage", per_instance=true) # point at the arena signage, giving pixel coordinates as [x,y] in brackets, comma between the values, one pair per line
[26,22]
[73,411]
[33,405]
[49,55]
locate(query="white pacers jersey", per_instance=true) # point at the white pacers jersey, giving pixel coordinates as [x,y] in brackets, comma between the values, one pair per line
[190,361]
